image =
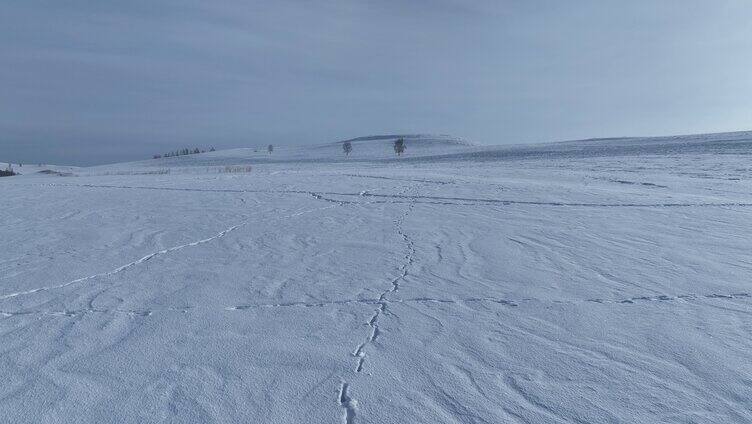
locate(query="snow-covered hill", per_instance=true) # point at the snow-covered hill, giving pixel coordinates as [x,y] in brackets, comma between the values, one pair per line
[370,148]
[584,281]
[433,148]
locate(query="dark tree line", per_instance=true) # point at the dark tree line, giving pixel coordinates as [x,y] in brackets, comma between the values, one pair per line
[8,172]
[182,152]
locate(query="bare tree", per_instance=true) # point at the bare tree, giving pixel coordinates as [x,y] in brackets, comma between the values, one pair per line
[270,149]
[347,147]
[399,146]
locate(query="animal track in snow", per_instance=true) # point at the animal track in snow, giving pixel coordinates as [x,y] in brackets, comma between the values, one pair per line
[373,323]
[413,199]
[144,259]
[349,404]
[123,267]
[665,298]
[380,302]
[415,180]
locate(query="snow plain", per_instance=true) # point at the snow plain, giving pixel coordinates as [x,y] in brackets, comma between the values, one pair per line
[588,282]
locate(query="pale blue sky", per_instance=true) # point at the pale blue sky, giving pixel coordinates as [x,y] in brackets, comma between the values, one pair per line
[91,81]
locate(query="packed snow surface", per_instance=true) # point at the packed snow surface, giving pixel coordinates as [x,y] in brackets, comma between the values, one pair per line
[592,281]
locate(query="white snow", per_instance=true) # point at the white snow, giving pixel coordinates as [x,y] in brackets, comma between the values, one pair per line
[587,281]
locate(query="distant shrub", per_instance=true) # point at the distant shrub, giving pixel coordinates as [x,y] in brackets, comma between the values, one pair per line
[162,171]
[347,147]
[58,173]
[270,149]
[235,169]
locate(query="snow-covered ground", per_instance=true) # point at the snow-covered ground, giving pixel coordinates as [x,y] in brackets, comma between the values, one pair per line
[592,281]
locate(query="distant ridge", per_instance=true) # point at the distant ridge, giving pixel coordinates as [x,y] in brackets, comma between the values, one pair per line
[424,138]
[389,136]
[721,136]
[434,148]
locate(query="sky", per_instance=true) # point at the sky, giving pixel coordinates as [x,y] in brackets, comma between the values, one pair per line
[96,81]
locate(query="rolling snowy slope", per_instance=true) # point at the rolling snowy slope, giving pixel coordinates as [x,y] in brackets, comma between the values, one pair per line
[365,149]
[588,281]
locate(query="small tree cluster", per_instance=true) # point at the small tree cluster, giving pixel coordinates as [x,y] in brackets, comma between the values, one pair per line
[347,147]
[8,172]
[182,152]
